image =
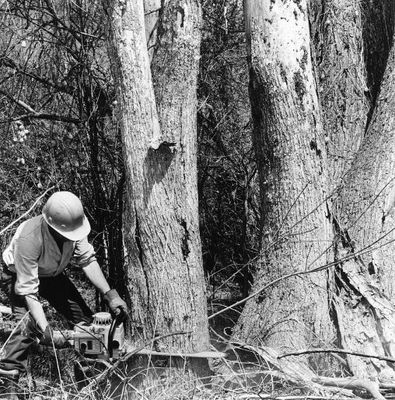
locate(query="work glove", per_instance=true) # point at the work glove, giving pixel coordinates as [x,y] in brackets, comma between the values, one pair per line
[117,306]
[50,336]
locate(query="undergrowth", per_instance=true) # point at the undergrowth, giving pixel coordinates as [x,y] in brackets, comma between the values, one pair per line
[239,375]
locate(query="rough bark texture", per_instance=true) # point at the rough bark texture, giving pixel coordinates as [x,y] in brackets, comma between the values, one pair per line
[341,78]
[290,151]
[364,220]
[165,275]
[377,28]
[152,12]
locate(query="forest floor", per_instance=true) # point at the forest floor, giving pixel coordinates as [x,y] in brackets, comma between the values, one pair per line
[245,373]
[241,375]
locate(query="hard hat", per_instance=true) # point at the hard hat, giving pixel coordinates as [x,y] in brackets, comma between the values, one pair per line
[64,212]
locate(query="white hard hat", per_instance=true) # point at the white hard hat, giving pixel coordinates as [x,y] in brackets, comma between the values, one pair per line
[64,212]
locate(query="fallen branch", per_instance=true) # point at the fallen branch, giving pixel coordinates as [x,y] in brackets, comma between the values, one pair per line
[295,372]
[341,351]
[248,396]
[301,374]
[27,212]
[353,384]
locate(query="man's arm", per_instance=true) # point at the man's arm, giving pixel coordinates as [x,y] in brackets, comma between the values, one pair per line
[86,258]
[111,296]
[94,273]
[27,252]
[48,336]
[36,311]
[85,254]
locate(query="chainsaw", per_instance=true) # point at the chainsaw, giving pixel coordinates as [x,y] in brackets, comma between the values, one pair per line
[103,339]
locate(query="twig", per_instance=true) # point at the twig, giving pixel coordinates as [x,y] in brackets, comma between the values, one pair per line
[46,116]
[341,351]
[19,102]
[372,202]
[153,11]
[289,211]
[27,212]
[13,331]
[58,367]
[8,62]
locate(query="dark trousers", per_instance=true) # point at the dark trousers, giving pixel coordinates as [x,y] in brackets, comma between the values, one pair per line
[61,293]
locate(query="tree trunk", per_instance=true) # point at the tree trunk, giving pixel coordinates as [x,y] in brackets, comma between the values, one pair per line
[341,75]
[378,29]
[164,263]
[290,149]
[364,221]
[152,13]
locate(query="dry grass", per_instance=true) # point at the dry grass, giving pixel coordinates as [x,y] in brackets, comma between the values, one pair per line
[242,376]
[246,373]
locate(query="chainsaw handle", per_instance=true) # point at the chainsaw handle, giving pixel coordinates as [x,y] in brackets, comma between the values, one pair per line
[119,318]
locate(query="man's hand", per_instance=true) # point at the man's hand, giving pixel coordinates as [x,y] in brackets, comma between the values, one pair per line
[49,336]
[115,303]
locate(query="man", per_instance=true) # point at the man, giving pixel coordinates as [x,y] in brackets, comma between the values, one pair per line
[39,252]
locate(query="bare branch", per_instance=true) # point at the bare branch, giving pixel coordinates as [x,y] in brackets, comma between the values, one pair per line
[27,212]
[351,353]
[19,102]
[49,117]
[6,61]
[34,114]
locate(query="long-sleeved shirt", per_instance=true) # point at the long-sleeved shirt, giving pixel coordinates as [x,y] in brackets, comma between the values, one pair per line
[36,254]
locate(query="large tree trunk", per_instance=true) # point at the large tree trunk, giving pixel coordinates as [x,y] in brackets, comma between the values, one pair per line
[348,36]
[164,263]
[337,32]
[364,220]
[290,151]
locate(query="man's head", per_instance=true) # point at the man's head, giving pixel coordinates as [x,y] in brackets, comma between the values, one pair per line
[64,213]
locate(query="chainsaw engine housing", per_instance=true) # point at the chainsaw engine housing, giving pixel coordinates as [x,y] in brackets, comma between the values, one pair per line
[94,340]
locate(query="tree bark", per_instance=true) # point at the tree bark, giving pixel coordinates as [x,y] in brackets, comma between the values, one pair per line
[364,222]
[377,29]
[164,264]
[290,150]
[337,35]
[152,13]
